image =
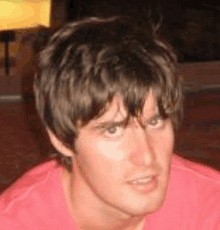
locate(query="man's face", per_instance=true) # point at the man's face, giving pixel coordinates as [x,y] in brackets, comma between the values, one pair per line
[124,168]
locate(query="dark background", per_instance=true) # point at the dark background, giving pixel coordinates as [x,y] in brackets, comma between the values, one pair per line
[192,27]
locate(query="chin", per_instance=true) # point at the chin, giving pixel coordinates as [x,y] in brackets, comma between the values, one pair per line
[151,207]
[156,207]
[156,203]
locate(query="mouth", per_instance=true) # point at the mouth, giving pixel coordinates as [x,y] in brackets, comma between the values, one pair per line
[142,180]
[143,184]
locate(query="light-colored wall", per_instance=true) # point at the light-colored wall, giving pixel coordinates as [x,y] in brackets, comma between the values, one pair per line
[24,17]
[24,14]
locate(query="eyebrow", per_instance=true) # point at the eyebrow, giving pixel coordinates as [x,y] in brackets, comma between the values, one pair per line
[156,115]
[112,123]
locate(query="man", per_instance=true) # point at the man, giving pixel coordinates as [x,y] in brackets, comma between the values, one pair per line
[110,100]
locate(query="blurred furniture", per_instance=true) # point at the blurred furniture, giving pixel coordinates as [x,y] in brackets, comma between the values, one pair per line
[7,36]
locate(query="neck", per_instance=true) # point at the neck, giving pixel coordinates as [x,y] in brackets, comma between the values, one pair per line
[99,220]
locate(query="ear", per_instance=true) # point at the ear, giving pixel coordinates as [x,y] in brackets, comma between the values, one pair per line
[59,146]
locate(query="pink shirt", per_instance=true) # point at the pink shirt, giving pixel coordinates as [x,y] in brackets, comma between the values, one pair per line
[36,201]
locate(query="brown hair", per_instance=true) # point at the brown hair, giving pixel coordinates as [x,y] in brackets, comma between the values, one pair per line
[87,62]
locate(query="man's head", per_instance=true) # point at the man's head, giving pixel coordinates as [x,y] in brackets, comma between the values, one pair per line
[108,93]
[87,63]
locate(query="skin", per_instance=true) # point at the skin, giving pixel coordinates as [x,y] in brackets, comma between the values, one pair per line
[108,156]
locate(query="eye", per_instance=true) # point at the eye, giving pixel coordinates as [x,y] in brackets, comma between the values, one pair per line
[157,122]
[113,131]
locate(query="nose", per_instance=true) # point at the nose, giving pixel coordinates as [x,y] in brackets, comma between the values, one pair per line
[141,146]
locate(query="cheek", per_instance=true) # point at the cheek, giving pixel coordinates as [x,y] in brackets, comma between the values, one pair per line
[110,150]
[103,158]
[167,137]
[164,143]
[102,155]
[167,146]
[167,142]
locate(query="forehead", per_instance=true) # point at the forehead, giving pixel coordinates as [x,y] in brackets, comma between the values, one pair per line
[116,111]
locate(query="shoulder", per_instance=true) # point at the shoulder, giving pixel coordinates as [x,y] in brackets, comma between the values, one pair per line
[193,198]
[196,188]
[36,201]
[28,189]
[199,173]
[194,179]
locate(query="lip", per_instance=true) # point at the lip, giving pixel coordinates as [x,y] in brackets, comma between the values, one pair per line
[140,176]
[144,188]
